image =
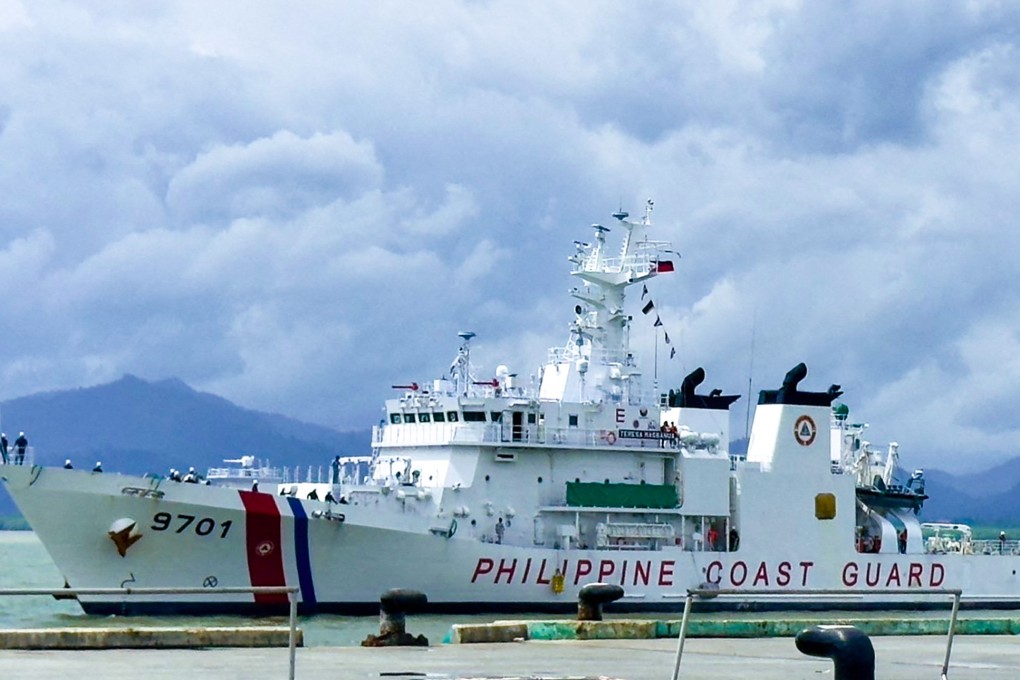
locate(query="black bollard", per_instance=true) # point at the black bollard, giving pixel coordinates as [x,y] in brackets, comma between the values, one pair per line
[849,648]
[592,597]
[393,606]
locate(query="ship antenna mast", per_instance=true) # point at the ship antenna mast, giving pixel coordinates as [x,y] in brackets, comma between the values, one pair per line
[461,367]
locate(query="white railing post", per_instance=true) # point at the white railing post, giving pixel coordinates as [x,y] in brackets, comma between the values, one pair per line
[952,631]
[682,635]
[292,642]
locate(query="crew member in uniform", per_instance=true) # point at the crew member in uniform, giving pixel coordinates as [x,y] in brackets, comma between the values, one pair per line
[20,444]
[500,528]
[3,447]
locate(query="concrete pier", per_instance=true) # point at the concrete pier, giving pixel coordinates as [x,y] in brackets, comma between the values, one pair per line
[155,637]
[642,629]
[897,658]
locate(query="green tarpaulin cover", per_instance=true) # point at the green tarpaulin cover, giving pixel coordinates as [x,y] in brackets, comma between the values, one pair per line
[594,494]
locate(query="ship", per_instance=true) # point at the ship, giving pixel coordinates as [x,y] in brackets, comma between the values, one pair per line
[502,494]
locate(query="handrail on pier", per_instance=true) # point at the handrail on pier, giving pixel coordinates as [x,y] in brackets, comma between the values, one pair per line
[714,592]
[290,591]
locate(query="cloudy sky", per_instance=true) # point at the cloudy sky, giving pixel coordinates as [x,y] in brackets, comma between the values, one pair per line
[297,205]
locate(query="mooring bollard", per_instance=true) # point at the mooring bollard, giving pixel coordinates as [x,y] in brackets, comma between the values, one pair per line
[849,648]
[592,597]
[393,606]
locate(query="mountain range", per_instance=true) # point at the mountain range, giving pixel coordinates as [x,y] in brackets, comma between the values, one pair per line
[137,426]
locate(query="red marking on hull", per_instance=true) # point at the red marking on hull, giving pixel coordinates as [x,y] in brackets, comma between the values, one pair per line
[265,549]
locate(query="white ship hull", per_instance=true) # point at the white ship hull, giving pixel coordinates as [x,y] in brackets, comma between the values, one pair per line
[344,567]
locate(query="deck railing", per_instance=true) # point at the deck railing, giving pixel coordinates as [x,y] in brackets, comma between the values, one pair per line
[289,591]
[955,593]
[12,456]
[418,434]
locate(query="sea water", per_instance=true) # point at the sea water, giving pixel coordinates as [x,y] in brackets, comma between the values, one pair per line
[24,563]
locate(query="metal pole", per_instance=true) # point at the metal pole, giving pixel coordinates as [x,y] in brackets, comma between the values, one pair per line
[655,378]
[292,597]
[683,634]
[952,631]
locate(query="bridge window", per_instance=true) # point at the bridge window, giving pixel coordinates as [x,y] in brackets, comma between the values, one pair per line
[451,416]
[572,421]
[474,416]
[395,418]
[408,417]
[425,417]
[439,417]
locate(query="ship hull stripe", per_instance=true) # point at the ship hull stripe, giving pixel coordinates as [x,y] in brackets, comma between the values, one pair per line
[302,553]
[262,536]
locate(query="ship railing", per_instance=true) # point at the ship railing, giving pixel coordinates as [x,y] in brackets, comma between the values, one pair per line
[706,593]
[994,546]
[419,434]
[290,591]
[424,434]
[310,474]
[598,355]
[12,456]
[313,474]
[640,262]
[241,474]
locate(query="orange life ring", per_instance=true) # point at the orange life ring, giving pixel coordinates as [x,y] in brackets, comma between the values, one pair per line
[611,438]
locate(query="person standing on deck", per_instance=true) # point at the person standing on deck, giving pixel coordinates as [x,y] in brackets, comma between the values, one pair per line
[500,528]
[3,447]
[20,444]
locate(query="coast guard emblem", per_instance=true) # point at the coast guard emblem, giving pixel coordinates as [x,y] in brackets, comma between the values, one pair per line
[805,430]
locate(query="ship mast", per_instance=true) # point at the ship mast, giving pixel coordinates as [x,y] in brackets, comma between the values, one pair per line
[460,369]
[596,364]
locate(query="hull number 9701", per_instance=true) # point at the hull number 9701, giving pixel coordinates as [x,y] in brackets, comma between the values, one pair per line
[203,526]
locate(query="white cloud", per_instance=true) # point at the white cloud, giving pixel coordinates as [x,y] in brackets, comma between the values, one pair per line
[297,209]
[13,15]
[275,177]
